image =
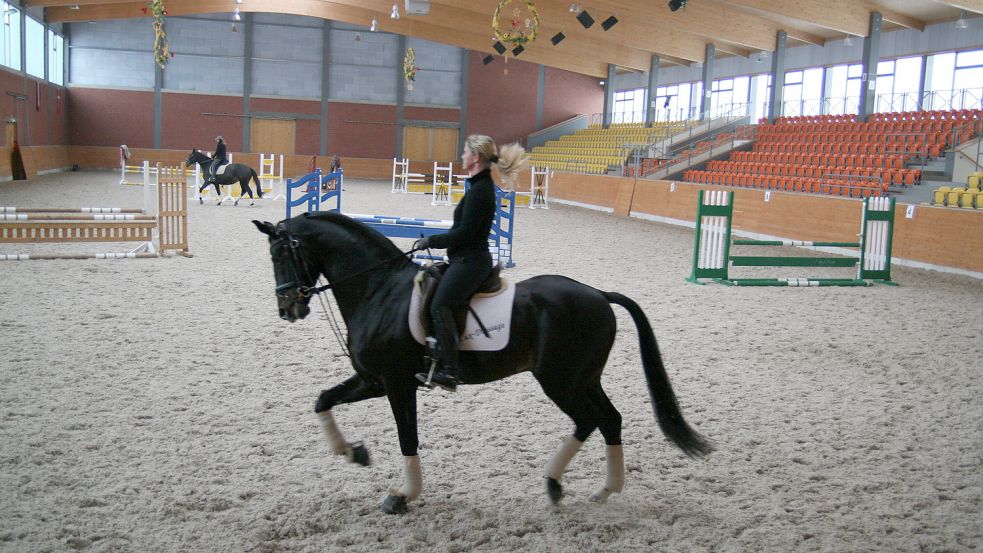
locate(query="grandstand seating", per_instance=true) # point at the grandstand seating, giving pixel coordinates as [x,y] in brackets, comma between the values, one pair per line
[834,154]
[594,149]
[965,197]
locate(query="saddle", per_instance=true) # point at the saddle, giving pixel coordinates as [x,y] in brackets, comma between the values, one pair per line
[221,168]
[429,277]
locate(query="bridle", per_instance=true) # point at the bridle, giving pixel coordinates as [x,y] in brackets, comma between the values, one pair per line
[297,264]
[298,261]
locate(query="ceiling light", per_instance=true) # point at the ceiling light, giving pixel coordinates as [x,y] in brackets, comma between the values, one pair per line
[236,15]
[238,1]
[609,22]
[574,8]
[557,38]
[395,13]
[961,23]
[676,4]
[585,19]
[499,47]
[848,41]
[518,50]
[488,59]
[75,7]
[374,26]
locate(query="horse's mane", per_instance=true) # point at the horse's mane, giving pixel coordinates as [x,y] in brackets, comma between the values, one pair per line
[360,232]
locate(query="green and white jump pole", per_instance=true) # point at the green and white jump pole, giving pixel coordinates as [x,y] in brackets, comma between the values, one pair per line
[712,258]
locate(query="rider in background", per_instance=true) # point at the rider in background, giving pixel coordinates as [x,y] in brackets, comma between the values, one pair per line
[467,248]
[218,158]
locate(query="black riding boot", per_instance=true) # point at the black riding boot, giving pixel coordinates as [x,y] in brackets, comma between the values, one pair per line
[445,331]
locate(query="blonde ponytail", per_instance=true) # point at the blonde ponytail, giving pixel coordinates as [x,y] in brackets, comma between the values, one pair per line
[511,159]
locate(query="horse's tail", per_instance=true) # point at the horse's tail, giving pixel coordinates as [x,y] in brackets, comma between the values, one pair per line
[259,186]
[667,411]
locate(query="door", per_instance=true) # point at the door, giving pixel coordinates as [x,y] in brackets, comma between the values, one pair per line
[430,144]
[272,136]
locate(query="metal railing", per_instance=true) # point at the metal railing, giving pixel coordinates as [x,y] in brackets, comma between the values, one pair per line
[704,150]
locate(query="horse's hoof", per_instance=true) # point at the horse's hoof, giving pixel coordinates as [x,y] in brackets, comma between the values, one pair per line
[554,490]
[235,203]
[359,454]
[394,505]
[200,201]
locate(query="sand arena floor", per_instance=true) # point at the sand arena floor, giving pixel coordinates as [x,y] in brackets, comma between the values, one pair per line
[161,405]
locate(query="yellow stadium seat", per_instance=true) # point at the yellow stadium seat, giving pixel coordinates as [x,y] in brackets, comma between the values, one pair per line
[952,196]
[966,199]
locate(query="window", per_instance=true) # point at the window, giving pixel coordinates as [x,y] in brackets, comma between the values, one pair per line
[897,84]
[967,81]
[629,106]
[56,58]
[844,89]
[10,36]
[954,81]
[34,60]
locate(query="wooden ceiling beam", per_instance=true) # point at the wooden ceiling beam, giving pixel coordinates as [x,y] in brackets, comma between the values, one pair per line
[627,33]
[975,6]
[57,3]
[579,60]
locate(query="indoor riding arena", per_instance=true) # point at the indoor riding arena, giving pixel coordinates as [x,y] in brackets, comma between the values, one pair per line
[158,402]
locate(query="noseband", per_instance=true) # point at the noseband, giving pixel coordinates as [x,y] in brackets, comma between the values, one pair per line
[291,289]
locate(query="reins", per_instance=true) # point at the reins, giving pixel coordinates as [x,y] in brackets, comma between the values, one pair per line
[308,291]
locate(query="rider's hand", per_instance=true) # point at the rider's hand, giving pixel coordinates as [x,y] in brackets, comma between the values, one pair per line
[422,243]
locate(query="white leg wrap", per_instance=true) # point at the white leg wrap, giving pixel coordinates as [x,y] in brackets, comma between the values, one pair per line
[615,481]
[412,479]
[558,464]
[337,442]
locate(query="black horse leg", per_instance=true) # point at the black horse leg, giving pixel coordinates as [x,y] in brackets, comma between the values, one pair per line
[575,403]
[402,399]
[244,188]
[610,426]
[350,391]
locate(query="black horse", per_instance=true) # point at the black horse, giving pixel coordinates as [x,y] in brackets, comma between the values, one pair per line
[562,331]
[234,172]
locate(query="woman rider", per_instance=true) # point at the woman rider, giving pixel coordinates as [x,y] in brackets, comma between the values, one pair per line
[467,248]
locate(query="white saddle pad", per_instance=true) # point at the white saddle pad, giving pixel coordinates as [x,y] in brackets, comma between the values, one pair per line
[495,311]
[221,169]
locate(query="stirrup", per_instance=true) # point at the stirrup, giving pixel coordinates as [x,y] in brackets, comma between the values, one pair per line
[443,380]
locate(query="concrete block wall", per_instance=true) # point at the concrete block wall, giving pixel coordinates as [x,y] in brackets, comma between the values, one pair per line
[362,66]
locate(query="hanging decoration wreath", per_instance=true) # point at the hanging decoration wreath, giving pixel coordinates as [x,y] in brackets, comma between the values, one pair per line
[409,68]
[519,30]
[162,52]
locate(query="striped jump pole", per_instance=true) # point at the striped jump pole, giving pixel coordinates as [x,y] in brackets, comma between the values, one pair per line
[403,227]
[104,224]
[712,257]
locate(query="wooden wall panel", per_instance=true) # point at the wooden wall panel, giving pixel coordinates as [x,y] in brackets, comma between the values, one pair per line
[936,236]
[273,135]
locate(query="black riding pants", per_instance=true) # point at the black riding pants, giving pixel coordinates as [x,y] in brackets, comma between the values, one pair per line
[464,276]
[214,166]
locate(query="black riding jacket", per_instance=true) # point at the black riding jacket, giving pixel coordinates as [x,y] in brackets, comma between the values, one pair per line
[473,219]
[220,152]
